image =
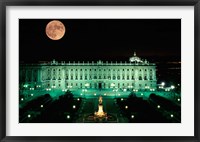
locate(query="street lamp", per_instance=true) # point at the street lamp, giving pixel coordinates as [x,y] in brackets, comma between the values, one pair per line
[163,84]
[172,86]
[68,116]
[74,106]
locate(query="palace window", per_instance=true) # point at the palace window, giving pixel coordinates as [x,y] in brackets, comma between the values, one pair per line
[140,78]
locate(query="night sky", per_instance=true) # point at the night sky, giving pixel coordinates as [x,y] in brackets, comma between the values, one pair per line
[101,39]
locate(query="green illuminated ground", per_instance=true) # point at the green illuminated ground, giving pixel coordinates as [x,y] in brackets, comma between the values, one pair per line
[74,106]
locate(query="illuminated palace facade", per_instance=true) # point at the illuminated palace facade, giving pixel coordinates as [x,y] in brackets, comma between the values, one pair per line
[136,74]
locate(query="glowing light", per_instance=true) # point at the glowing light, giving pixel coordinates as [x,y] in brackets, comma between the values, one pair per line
[87,84]
[81,94]
[41,106]
[31,94]
[141,94]
[29,116]
[112,85]
[74,106]
[158,106]
[68,116]
[179,100]
[22,99]
[172,115]
[95,94]
[172,86]
[78,99]
[132,116]
[126,107]
[104,94]
[163,83]
[122,99]
[118,94]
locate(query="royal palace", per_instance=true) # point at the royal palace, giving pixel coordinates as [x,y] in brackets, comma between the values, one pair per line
[136,74]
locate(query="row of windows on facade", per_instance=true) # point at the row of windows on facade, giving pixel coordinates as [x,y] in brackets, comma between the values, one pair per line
[150,74]
[104,77]
[103,84]
[100,70]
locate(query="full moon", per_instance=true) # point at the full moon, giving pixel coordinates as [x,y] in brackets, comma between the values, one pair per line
[55,30]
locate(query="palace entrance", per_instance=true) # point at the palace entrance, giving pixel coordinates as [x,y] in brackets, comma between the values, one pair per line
[100,85]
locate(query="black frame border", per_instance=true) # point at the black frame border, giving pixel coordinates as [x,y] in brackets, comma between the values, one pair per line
[5,3]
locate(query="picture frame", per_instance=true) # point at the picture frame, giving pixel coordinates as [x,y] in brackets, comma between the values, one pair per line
[3,71]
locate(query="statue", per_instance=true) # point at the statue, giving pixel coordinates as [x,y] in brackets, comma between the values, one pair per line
[100,113]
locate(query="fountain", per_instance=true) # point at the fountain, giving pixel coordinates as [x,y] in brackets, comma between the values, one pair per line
[100,113]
